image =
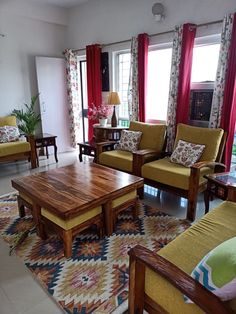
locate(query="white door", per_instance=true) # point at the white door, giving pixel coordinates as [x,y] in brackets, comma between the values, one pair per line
[51,76]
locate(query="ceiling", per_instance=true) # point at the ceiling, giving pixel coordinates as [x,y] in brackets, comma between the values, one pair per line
[61,3]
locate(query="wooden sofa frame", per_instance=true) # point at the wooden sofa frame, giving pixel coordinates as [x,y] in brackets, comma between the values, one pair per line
[194,187]
[141,257]
[30,155]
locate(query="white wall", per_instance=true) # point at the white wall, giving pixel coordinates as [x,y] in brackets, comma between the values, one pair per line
[105,21]
[28,33]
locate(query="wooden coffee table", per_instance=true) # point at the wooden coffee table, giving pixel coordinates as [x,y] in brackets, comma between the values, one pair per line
[71,191]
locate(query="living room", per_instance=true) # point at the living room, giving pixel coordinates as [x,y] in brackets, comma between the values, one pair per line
[36,36]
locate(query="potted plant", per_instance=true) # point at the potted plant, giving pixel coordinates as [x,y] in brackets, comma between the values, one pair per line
[28,118]
[100,113]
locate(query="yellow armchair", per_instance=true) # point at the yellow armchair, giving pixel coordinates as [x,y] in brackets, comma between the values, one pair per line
[183,181]
[151,146]
[17,150]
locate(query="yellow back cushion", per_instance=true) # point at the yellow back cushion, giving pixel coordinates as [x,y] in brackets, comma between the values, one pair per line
[8,120]
[153,135]
[209,137]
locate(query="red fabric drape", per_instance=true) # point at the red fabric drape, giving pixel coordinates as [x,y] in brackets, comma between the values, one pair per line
[185,69]
[228,117]
[94,80]
[143,42]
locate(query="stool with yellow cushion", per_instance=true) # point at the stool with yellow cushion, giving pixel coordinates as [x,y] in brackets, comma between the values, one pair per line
[66,229]
[17,150]
[159,281]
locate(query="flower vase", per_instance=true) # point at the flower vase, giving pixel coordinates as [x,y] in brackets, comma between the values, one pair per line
[103,122]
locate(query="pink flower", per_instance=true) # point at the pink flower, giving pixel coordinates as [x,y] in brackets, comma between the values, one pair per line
[100,112]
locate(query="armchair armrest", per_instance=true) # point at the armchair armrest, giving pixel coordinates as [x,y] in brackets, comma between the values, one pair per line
[141,257]
[102,146]
[142,156]
[219,167]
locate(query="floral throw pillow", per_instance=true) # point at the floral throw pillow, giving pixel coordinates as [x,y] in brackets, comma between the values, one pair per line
[186,153]
[3,135]
[129,140]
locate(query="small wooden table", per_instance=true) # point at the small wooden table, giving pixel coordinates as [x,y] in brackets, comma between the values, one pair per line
[87,148]
[45,140]
[107,133]
[71,191]
[217,185]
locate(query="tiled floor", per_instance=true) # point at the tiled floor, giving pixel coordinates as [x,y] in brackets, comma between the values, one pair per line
[19,292]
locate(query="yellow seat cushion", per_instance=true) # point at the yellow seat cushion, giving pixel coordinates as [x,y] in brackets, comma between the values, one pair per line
[118,159]
[73,222]
[124,198]
[153,135]
[186,251]
[169,173]
[12,148]
[209,137]
[8,120]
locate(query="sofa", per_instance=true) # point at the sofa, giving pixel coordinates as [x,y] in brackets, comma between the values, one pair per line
[150,147]
[158,281]
[16,150]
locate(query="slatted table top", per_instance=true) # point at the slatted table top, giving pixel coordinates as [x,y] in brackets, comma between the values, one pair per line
[73,189]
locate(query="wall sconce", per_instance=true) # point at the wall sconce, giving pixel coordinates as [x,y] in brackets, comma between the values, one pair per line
[158,11]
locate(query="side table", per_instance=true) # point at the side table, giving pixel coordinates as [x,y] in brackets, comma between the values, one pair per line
[107,133]
[87,148]
[217,185]
[45,140]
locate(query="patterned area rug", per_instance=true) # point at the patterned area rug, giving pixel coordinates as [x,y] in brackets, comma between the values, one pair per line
[95,279]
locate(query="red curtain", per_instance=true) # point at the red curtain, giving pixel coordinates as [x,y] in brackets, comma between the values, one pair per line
[143,42]
[228,117]
[185,69]
[94,80]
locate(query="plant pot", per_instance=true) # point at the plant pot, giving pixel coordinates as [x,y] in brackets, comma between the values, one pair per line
[103,122]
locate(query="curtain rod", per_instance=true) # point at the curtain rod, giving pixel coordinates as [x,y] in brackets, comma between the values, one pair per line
[152,35]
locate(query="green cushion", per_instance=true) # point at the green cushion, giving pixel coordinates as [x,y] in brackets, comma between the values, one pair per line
[217,270]
[211,138]
[8,120]
[12,148]
[153,135]
[117,159]
[167,172]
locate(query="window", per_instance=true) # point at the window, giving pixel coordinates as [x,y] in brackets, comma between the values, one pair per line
[205,60]
[122,81]
[159,67]
[204,67]
[83,97]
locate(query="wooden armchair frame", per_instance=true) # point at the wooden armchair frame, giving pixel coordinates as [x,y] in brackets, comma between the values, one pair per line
[194,187]
[141,257]
[30,155]
[139,157]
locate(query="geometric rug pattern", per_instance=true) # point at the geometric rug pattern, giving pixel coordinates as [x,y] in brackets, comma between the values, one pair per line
[95,279]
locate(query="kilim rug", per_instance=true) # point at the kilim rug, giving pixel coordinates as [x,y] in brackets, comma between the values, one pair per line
[95,278]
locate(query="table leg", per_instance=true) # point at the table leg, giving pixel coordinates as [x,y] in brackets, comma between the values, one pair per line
[108,214]
[80,153]
[67,242]
[21,206]
[47,152]
[36,212]
[207,199]
[55,152]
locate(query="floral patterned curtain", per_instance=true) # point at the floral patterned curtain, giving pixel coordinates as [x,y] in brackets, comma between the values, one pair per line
[133,96]
[75,110]
[174,82]
[218,94]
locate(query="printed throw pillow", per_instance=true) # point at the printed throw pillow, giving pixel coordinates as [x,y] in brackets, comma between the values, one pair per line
[3,135]
[217,271]
[129,140]
[13,133]
[186,153]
